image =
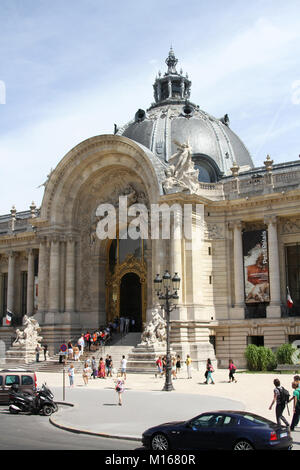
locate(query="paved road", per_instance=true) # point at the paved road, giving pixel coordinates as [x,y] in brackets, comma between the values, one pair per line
[25,432]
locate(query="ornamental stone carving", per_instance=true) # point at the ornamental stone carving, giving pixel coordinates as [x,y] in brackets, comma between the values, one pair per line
[181,174]
[155,332]
[28,337]
[213,231]
[291,226]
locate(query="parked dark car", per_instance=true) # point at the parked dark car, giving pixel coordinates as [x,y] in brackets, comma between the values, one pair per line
[224,430]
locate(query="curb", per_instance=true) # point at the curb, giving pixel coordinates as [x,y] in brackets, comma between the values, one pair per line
[86,431]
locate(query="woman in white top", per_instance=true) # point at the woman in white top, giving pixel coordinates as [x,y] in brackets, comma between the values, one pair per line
[71,371]
[120,389]
[123,367]
[86,373]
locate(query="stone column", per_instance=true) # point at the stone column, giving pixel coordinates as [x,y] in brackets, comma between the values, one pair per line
[238,265]
[54,276]
[11,281]
[176,242]
[70,276]
[274,269]
[42,276]
[176,251]
[30,282]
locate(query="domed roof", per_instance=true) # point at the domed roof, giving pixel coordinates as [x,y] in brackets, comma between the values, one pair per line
[174,118]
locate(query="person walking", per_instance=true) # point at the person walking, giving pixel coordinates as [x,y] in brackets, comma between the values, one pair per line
[296,404]
[120,389]
[101,369]
[159,367]
[37,353]
[189,366]
[70,351]
[80,343]
[94,368]
[107,365]
[110,366]
[76,353]
[209,371]
[178,364]
[86,373]
[123,367]
[278,398]
[45,351]
[232,370]
[71,372]
[173,362]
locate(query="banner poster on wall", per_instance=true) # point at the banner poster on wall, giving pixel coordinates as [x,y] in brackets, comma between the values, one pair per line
[256,266]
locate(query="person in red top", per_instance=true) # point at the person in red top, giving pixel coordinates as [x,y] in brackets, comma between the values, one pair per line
[87,338]
[232,369]
[159,365]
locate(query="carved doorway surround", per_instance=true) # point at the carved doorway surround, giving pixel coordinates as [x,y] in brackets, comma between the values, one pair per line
[131,264]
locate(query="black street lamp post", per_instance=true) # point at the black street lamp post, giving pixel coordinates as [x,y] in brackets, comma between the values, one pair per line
[166,289]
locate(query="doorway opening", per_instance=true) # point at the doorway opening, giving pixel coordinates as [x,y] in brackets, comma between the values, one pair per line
[131,300]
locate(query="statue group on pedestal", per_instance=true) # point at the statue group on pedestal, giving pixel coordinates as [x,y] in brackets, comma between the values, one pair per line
[155,332]
[28,336]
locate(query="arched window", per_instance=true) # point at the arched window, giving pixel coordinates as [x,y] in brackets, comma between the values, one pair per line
[208,169]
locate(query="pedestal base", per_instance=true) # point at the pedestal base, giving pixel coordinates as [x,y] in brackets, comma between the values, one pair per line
[17,355]
[142,359]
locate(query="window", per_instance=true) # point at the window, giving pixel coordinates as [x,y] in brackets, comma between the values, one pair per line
[207,421]
[27,380]
[257,419]
[208,170]
[228,421]
[257,340]
[12,379]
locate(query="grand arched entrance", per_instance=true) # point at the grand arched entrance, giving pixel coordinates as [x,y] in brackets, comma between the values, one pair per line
[131,300]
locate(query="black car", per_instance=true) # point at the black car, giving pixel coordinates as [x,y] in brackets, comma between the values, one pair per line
[224,430]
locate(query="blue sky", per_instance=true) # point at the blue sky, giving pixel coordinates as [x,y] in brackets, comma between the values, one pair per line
[72,69]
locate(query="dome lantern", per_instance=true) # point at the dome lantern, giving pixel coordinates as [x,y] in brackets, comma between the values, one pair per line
[172,87]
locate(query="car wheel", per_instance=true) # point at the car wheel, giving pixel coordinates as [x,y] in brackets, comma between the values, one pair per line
[243,445]
[159,442]
[47,410]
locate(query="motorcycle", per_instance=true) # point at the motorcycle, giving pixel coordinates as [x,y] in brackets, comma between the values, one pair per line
[40,402]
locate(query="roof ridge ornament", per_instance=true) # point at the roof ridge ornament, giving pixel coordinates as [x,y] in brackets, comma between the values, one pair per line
[171,62]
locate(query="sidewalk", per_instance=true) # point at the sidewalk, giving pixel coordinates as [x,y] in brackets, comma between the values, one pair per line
[95,407]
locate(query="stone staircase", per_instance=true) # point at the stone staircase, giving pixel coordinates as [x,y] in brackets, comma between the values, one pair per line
[118,347]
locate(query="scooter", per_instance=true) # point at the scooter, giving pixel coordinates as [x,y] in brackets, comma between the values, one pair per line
[41,402]
[47,403]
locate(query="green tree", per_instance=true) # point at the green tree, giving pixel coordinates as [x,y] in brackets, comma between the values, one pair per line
[252,357]
[284,354]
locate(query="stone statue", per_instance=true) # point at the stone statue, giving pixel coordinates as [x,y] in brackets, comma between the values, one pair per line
[47,180]
[155,331]
[181,173]
[28,336]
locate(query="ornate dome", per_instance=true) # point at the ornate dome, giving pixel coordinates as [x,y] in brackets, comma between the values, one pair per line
[174,118]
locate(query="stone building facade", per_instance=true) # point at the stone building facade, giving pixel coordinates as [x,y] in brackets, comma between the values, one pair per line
[54,266]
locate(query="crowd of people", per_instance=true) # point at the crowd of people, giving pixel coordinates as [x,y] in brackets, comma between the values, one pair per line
[105,368]
[161,364]
[102,370]
[93,340]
